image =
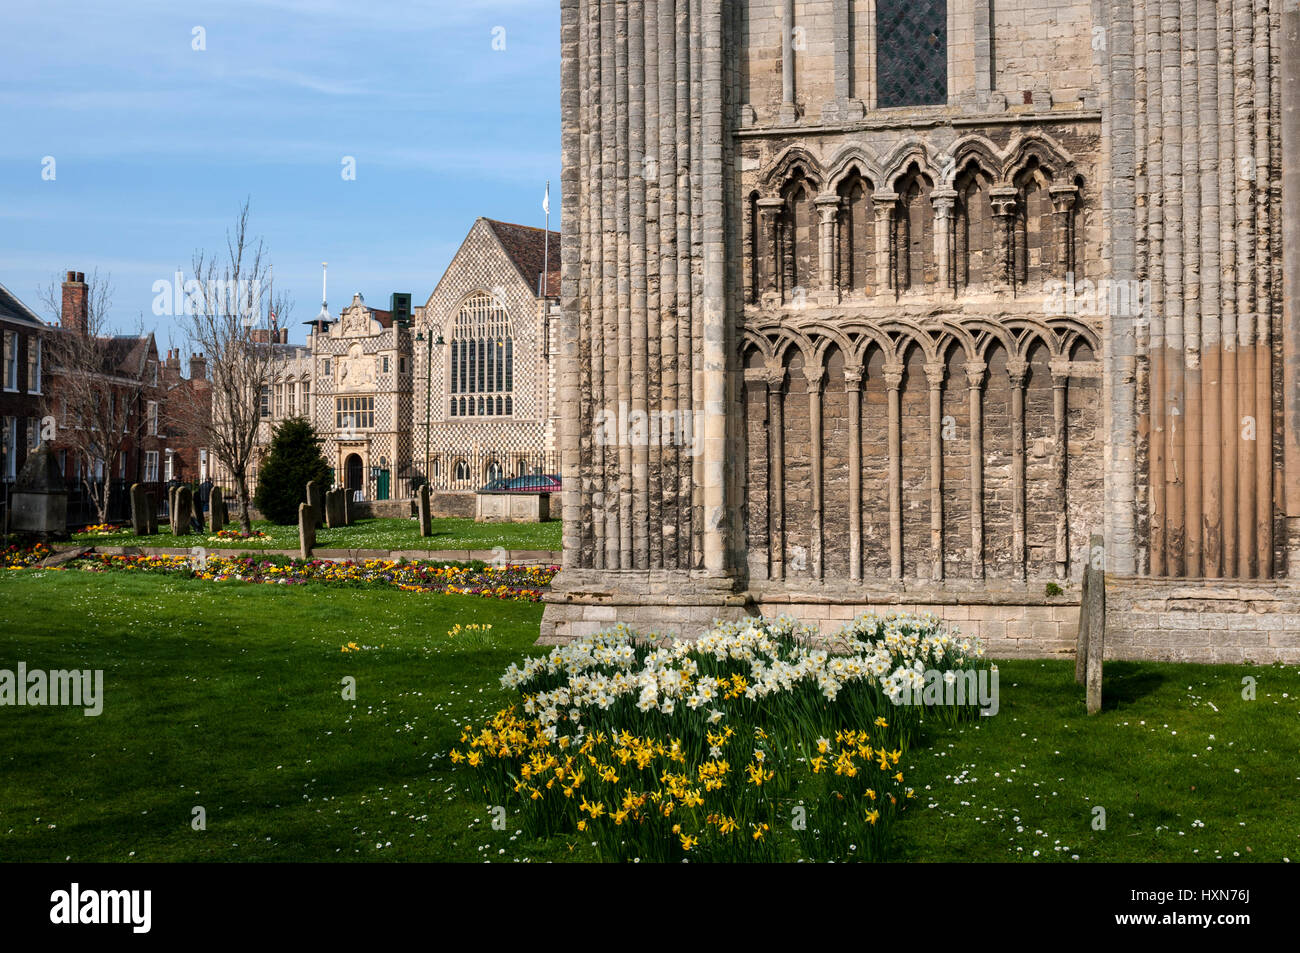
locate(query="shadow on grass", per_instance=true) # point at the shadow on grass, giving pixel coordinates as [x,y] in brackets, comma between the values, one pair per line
[1125,683]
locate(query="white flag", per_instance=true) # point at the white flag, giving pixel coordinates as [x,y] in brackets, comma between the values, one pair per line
[546,200]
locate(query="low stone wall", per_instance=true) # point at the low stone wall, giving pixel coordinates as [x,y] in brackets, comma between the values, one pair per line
[457,504]
[1146,620]
[1215,620]
[383,509]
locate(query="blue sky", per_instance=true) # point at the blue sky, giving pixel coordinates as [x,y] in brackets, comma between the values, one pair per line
[156,145]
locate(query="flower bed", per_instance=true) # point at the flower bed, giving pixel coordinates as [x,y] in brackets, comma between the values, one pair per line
[99,529]
[511,583]
[749,744]
[20,557]
[225,534]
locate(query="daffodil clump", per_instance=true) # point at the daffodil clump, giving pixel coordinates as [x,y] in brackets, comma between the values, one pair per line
[750,743]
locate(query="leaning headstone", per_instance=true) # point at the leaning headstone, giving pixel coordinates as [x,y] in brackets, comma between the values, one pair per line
[316,499]
[216,510]
[306,530]
[426,524]
[139,510]
[151,514]
[346,497]
[182,505]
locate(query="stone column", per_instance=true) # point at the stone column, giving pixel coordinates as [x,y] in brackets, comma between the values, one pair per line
[776,467]
[853,390]
[1063,198]
[1291,278]
[788,115]
[975,384]
[769,210]
[944,200]
[828,207]
[1016,371]
[884,204]
[816,376]
[934,374]
[1060,461]
[1003,200]
[844,107]
[893,381]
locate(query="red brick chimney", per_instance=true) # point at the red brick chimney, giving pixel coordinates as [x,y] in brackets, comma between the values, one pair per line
[198,367]
[75,315]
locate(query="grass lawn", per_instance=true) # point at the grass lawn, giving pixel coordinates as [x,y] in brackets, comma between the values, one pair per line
[390,534]
[228,696]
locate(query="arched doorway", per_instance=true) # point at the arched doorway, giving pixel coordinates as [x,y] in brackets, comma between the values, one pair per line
[352,473]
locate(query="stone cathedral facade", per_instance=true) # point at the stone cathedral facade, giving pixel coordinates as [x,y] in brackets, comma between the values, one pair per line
[895,303]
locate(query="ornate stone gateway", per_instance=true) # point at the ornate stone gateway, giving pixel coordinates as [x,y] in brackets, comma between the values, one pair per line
[840,336]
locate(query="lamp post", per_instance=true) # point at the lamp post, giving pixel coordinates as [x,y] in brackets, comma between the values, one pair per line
[429,342]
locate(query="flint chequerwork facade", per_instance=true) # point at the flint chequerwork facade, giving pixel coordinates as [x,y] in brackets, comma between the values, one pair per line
[897,303]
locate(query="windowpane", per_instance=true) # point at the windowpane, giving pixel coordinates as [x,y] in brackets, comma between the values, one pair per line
[911,53]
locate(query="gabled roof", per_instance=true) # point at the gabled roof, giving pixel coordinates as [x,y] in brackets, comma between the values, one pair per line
[11,309]
[527,249]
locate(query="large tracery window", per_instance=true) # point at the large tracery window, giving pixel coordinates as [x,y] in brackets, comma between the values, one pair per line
[482,360]
[911,53]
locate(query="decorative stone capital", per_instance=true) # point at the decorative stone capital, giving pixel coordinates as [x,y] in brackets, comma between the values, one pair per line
[884,201]
[944,200]
[893,376]
[1063,197]
[934,374]
[853,376]
[828,206]
[815,376]
[1060,372]
[770,207]
[975,371]
[1017,370]
[775,377]
[1004,198]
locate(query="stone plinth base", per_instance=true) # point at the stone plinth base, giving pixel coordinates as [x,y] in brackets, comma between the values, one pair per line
[512,507]
[1147,620]
[1203,620]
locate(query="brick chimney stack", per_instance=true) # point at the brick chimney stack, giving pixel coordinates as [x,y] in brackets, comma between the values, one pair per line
[198,367]
[75,313]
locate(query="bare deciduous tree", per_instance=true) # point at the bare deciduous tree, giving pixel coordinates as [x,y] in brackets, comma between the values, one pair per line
[228,303]
[97,383]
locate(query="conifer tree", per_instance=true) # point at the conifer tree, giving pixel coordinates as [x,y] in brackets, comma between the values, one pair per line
[294,460]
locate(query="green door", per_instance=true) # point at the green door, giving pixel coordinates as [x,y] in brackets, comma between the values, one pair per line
[381,489]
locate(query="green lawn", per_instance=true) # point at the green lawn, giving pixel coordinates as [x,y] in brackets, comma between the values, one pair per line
[390,534]
[228,696]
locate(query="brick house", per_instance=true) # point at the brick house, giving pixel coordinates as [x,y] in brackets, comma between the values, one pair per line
[129,370]
[22,384]
[183,455]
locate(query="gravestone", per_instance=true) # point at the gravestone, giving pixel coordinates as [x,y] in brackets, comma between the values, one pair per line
[1091,647]
[306,530]
[426,524]
[151,514]
[217,510]
[139,510]
[39,504]
[182,506]
[334,508]
[316,500]
[345,496]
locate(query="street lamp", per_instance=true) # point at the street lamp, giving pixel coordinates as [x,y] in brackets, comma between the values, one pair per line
[429,342]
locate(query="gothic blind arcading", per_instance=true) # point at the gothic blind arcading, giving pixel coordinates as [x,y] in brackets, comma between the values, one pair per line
[912,53]
[482,360]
